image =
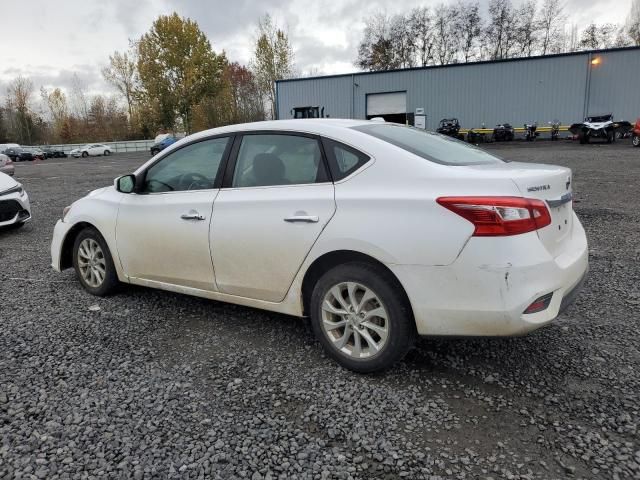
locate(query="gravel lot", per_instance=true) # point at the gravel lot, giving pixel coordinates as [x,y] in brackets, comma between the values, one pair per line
[149,384]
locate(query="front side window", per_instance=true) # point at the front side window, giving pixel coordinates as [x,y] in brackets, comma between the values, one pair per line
[272,159]
[193,167]
[429,145]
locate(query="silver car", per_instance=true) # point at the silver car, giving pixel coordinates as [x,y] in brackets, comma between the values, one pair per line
[6,165]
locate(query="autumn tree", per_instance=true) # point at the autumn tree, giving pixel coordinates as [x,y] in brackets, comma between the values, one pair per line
[500,33]
[80,98]
[122,74]
[272,59]
[178,68]
[401,35]
[467,28]
[376,50]
[19,93]
[246,103]
[632,25]
[526,29]
[56,103]
[423,35]
[3,128]
[596,36]
[445,38]
[551,21]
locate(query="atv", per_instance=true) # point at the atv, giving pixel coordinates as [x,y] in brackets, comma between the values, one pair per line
[503,133]
[599,126]
[450,127]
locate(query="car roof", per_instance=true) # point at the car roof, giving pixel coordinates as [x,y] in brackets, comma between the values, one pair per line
[311,125]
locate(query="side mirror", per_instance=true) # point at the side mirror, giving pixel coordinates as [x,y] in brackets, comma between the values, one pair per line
[125,184]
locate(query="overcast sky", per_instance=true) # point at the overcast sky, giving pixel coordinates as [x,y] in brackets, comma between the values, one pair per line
[49,40]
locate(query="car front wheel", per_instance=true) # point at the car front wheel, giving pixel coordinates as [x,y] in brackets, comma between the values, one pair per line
[93,263]
[361,318]
[636,140]
[85,154]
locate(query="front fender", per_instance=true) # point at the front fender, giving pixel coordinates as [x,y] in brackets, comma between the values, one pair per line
[98,210]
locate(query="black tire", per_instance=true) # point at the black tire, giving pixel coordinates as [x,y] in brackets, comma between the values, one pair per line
[154,152]
[583,138]
[110,281]
[610,136]
[85,154]
[635,140]
[107,153]
[401,326]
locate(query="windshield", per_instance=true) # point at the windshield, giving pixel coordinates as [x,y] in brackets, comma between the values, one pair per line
[429,145]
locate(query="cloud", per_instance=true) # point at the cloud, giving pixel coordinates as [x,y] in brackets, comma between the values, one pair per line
[324,34]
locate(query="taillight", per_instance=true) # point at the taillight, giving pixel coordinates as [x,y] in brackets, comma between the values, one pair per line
[499,216]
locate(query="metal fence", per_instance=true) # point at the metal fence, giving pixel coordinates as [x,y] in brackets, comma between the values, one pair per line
[116,147]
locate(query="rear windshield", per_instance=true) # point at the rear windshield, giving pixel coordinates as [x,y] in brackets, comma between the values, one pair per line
[429,145]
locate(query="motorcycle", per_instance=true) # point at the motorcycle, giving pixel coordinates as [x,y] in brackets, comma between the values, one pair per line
[555,129]
[530,131]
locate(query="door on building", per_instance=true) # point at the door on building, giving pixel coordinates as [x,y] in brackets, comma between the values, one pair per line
[392,106]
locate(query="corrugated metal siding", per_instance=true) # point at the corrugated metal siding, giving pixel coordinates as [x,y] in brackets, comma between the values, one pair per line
[614,85]
[334,96]
[524,91]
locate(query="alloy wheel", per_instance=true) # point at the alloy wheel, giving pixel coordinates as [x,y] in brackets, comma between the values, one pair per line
[91,262]
[355,320]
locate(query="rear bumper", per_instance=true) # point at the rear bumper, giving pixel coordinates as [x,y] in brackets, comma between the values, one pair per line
[489,286]
[571,295]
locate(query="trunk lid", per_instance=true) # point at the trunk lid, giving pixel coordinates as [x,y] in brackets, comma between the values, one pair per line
[550,183]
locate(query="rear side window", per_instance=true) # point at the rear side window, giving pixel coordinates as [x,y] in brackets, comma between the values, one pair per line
[429,145]
[343,160]
[277,159]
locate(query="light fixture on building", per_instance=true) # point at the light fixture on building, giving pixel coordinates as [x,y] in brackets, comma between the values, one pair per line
[595,61]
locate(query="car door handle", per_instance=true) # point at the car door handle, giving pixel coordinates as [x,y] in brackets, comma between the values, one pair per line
[302,218]
[192,215]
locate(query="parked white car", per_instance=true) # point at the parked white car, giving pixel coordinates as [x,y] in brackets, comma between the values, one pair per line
[91,150]
[376,231]
[15,209]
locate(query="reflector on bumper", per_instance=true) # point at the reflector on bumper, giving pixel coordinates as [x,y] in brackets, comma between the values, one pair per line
[539,304]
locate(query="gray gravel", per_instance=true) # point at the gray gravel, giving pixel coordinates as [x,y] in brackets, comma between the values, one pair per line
[148,384]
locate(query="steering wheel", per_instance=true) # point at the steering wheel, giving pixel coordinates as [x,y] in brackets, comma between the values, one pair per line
[191,179]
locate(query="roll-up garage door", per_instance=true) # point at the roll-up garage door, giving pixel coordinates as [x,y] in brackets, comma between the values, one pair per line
[386,103]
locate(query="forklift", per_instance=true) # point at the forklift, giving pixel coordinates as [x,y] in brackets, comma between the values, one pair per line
[307,112]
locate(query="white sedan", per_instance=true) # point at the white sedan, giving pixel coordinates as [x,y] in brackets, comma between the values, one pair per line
[91,150]
[378,232]
[15,209]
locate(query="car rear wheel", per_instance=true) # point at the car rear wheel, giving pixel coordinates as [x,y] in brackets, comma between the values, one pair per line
[93,263]
[636,140]
[85,154]
[360,318]
[107,153]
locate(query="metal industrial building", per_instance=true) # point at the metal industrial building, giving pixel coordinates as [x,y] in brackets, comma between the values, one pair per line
[566,87]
